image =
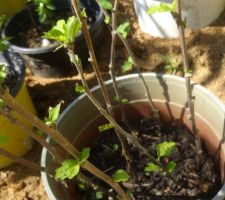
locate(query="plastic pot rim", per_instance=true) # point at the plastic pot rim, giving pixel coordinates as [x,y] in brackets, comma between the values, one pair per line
[42,50]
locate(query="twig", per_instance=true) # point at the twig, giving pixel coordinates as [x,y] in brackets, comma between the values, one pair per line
[20,160]
[58,138]
[118,95]
[188,82]
[137,68]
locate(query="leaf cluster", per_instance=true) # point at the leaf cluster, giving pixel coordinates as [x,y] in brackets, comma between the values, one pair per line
[64,31]
[53,114]
[44,9]
[163,7]
[163,149]
[70,168]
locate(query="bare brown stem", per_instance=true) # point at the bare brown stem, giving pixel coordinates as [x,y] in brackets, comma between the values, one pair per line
[118,95]
[188,81]
[136,65]
[6,113]
[20,160]
[92,58]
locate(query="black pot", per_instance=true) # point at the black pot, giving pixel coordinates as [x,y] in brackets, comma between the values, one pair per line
[43,61]
[15,71]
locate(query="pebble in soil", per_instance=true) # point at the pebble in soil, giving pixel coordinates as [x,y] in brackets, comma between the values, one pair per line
[193,183]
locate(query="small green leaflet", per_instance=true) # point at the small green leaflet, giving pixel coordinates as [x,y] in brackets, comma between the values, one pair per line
[3,45]
[165,149]
[81,185]
[69,169]
[115,147]
[4,139]
[84,155]
[72,28]
[40,133]
[107,19]
[3,73]
[2,103]
[105,127]
[83,13]
[123,29]
[79,88]
[105,4]
[44,8]
[127,65]
[170,166]
[64,32]
[99,195]
[151,167]
[120,176]
[53,114]
[2,20]
[123,100]
[163,7]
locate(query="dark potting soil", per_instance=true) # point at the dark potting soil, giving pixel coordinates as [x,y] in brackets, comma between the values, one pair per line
[192,183]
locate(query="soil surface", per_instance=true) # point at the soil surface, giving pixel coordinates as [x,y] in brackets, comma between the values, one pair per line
[206,51]
[191,182]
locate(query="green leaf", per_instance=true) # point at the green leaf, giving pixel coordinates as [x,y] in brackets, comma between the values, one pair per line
[81,185]
[4,139]
[3,45]
[99,195]
[73,27]
[2,20]
[83,13]
[40,133]
[3,72]
[105,127]
[84,155]
[79,88]
[171,166]
[123,29]
[53,114]
[64,32]
[2,103]
[163,7]
[44,8]
[165,149]
[69,169]
[107,19]
[123,100]
[58,32]
[151,167]
[105,4]
[115,147]
[120,176]
[127,65]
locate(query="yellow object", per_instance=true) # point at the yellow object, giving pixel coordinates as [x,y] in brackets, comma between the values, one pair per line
[10,7]
[12,138]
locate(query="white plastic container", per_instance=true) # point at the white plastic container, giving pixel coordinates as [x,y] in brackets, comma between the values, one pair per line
[197,14]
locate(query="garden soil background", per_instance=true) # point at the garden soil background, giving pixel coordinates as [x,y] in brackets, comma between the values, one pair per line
[206,51]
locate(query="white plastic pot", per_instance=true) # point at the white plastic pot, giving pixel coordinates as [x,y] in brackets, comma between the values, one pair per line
[197,14]
[80,120]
